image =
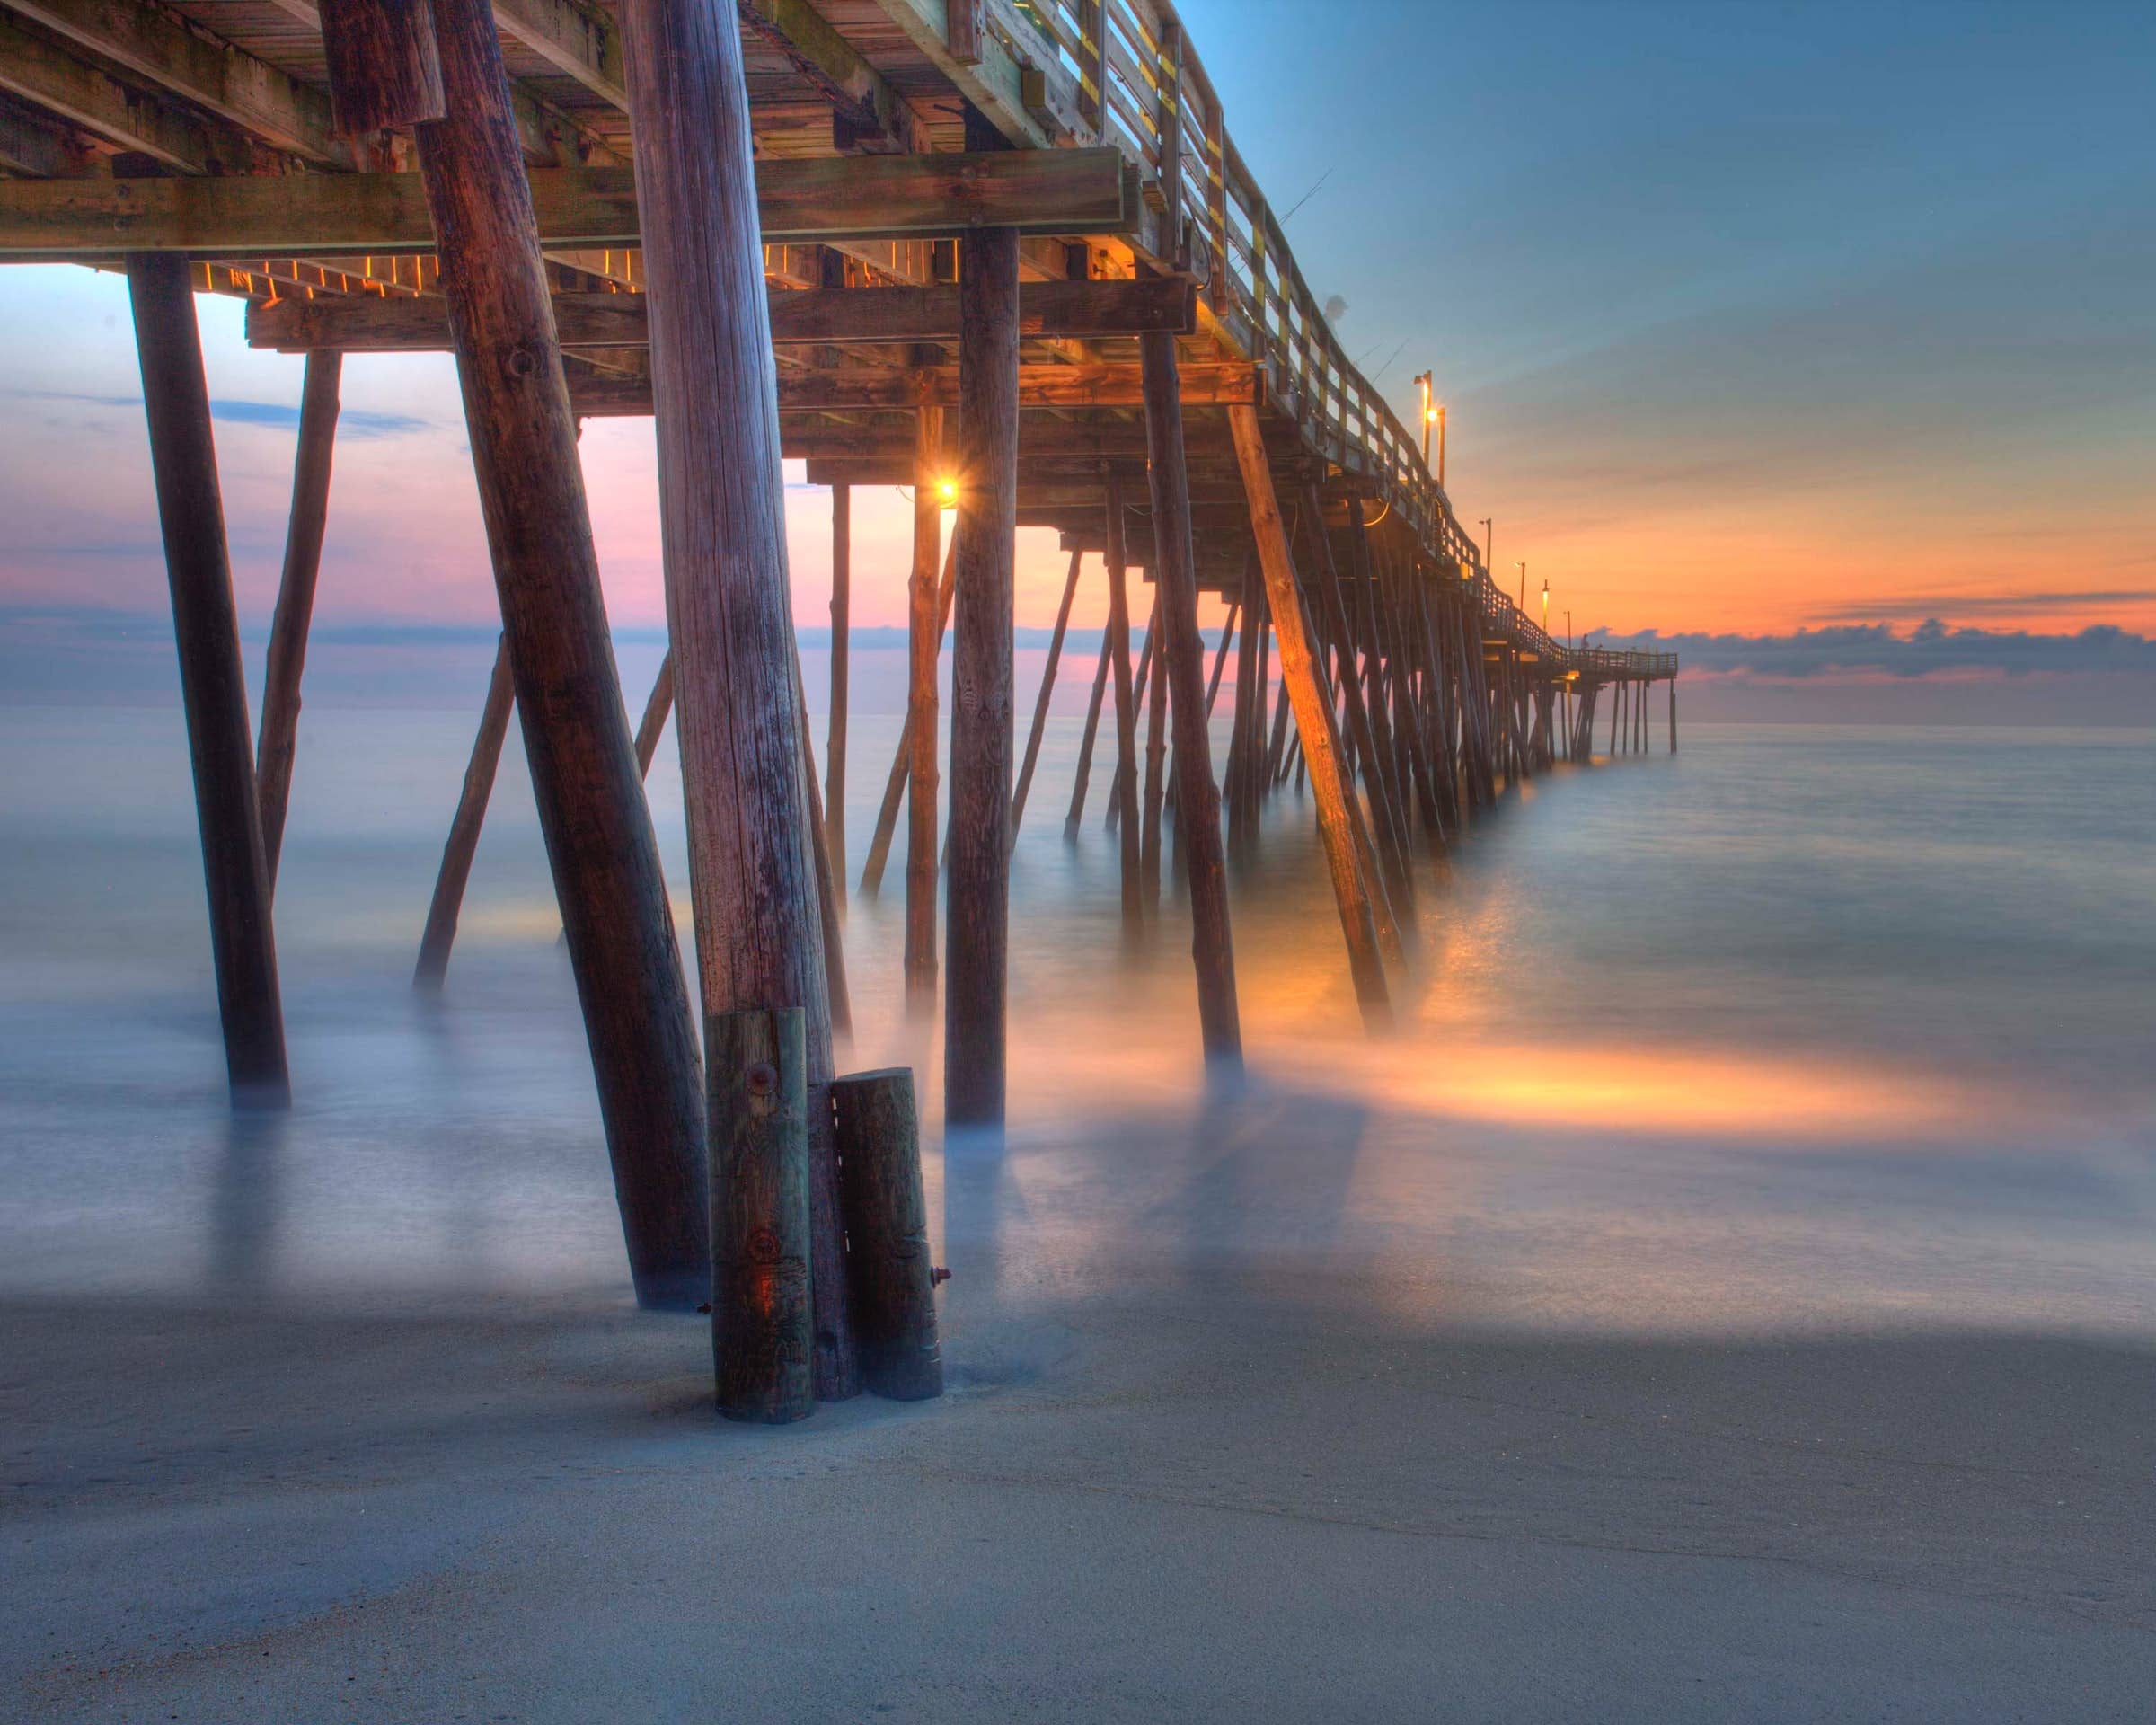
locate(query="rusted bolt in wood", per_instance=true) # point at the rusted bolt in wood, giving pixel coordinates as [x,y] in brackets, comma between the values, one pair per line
[762,1079]
[522,363]
[938,1276]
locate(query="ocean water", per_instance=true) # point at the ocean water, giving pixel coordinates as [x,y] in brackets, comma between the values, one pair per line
[1802,1027]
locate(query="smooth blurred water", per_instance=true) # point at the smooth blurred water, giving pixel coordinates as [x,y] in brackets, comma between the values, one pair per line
[1801,1023]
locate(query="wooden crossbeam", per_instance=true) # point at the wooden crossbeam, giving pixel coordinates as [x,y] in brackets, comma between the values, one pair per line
[580,44]
[1226,384]
[48,74]
[854,314]
[1040,191]
[866,112]
[215,77]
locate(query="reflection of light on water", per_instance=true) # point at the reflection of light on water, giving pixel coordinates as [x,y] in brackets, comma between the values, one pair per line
[1637,1089]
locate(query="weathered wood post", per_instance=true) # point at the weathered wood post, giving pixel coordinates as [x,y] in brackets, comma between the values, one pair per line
[1125,786]
[1085,744]
[752,857]
[886,1233]
[455,873]
[1313,722]
[276,738]
[924,642]
[1183,649]
[652,726]
[190,514]
[977,933]
[1673,713]
[763,1318]
[894,784]
[1141,683]
[1041,707]
[834,755]
[1156,757]
[590,800]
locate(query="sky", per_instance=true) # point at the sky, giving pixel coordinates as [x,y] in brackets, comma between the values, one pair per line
[1817,340]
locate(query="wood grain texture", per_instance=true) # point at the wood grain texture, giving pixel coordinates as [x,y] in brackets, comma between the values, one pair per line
[383,68]
[1183,651]
[977,963]
[886,1233]
[418,323]
[213,688]
[1313,722]
[278,737]
[925,641]
[590,800]
[325,215]
[763,1317]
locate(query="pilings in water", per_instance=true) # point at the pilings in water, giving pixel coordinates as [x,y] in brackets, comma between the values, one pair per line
[590,800]
[752,857]
[1673,715]
[924,642]
[977,933]
[1126,787]
[190,515]
[835,748]
[455,873]
[278,738]
[1048,689]
[1182,652]
[1314,721]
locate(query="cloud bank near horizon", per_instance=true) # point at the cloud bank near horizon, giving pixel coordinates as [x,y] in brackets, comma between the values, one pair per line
[83,656]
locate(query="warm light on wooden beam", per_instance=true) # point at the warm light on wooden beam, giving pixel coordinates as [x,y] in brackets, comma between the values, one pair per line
[1036,191]
[353,324]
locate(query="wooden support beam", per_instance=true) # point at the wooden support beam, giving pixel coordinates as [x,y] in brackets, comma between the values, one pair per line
[924,642]
[50,75]
[213,685]
[895,783]
[1124,793]
[599,840]
[1313,722]
[1040,706]
[752,857]
[154,45]
[866,112]
[1154,799]
[1036,191]
[1182,648]
[439,934]
[579,43]
[886,1233]
[1046,386]
[1085,743]
[977,965]
[835,756]
[763,1311]
[295,599]
[383,67]
[358,323]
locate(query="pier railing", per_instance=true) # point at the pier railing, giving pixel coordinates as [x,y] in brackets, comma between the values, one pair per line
[1123,65]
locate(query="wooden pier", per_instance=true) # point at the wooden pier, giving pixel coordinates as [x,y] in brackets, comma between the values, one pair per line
[1003,252]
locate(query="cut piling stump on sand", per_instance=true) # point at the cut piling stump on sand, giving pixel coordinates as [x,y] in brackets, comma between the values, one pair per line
[763,1323]
[885,1213]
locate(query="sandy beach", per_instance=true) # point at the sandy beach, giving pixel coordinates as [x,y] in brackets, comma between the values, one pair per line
[1208,1455]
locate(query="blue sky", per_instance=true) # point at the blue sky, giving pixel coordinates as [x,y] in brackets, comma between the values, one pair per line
[1751,319]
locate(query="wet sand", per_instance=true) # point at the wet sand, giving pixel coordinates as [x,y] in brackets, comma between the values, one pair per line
[1205,1456]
